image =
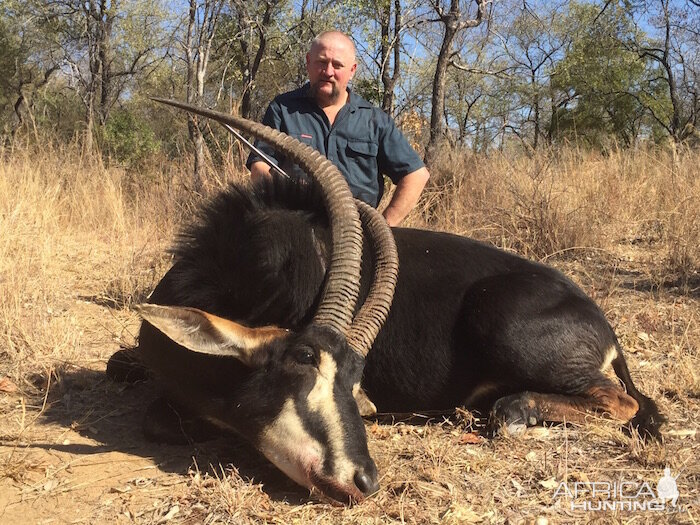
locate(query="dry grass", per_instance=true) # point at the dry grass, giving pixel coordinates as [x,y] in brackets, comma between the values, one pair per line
[568,200]
[80,243]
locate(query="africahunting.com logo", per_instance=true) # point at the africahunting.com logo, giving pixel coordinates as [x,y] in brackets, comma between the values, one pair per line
[622,495]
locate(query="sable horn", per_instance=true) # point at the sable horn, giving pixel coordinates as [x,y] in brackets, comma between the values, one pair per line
[374,311]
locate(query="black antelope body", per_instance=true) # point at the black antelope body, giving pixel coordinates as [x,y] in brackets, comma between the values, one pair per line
[257,328]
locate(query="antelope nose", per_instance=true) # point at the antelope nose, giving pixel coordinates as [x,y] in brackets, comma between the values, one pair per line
[366,483]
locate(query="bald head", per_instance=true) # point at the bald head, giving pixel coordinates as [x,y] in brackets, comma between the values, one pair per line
[330,64]
[333,38]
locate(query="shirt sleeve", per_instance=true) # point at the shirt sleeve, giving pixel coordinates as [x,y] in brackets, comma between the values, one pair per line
[273,119]
[396,157]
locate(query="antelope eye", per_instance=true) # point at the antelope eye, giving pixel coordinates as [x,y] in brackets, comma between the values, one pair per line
[306,356]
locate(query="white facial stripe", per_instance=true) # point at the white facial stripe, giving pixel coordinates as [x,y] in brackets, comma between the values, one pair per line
[290,447]
[321,401]
[322,392]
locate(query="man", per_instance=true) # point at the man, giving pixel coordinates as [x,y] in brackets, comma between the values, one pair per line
[359,138]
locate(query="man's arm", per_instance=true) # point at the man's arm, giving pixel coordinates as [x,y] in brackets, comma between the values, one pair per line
[258,167]
[406,196]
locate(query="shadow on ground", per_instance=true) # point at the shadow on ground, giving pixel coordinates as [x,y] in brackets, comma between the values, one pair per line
[110,413]
[645,278]
[677,286]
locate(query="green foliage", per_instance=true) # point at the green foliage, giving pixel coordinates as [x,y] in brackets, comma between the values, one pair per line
[605,81]
[368,88]
[129,139]
[59,112]
[9,52]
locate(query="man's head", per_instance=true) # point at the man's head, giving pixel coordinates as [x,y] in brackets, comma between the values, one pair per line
[330,64]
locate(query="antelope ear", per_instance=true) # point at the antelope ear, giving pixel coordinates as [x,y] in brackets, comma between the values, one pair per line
[207,333]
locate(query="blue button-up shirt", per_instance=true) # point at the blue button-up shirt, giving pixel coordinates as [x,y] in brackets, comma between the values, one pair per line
[363,141]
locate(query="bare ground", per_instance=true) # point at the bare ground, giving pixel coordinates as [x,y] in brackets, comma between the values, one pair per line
[71,450]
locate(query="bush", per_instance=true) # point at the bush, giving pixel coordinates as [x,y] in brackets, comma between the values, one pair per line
[129,139]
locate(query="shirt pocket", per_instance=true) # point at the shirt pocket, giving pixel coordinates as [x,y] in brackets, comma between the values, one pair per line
[362,148]
[359,166]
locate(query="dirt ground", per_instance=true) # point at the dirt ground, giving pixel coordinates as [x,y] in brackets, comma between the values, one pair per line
[71,449]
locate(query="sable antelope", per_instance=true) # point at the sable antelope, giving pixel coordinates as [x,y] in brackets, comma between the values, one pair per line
[257,329]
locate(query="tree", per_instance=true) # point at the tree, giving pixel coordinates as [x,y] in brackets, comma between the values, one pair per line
[673,46]
[391,45]
[607,89]
[386,23]
[453,21]
[602,83]
[249,27]
[103,45]
[532,44]
[201,23]
[29,58]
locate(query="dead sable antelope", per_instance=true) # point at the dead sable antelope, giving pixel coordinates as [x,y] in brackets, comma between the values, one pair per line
[257,328]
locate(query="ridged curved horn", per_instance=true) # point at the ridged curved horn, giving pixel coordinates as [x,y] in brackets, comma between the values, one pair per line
[374,311]
[343,282]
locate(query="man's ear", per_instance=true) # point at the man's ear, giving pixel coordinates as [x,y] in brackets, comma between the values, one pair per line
[206,333]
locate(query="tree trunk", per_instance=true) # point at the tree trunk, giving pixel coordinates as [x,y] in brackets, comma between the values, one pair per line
[677,128]
[89,129]
[453,24]
[249,67]
[438,96]
[535,110]
[201,28]
[104,43]
[93,86]
[390,43]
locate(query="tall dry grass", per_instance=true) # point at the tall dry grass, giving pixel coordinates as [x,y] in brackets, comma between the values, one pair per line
[571,200]
[73,230]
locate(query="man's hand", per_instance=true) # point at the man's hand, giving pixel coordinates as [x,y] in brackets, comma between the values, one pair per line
[259,170]
[406,196]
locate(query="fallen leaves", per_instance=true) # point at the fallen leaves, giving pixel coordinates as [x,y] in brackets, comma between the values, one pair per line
[7,386]
[470,438]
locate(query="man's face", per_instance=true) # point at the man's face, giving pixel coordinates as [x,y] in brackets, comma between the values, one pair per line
[330,65]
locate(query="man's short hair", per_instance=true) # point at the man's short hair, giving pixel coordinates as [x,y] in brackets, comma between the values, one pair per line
[317,39]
